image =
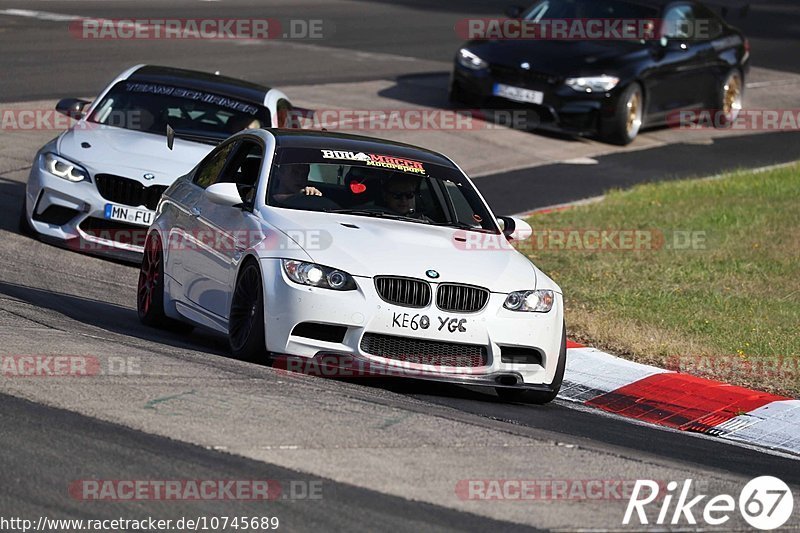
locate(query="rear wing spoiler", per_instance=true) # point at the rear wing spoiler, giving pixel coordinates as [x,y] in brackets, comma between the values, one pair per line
[204,137]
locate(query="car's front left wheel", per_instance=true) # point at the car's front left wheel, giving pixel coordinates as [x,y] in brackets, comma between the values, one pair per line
[246,322]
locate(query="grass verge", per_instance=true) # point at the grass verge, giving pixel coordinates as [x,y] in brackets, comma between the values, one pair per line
[701,276]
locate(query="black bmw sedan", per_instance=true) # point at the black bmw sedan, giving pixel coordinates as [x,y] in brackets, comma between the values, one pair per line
[605,68]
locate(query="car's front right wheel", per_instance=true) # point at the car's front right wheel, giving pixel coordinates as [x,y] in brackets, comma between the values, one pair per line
[623,127]
[246,322]
[24,226]
[729,99]
[150,289]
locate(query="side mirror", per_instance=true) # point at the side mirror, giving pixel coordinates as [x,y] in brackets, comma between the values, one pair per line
[514,12]
[515,228]
[673,43]
[226,194]
[71,107]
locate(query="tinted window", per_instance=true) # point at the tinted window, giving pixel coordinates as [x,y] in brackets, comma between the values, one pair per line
[587,9]
[394,188]
[709,26]
[679,23]
[244,169]
[210,169]
[149,107]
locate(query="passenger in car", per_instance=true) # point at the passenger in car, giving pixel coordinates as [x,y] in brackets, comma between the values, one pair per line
[399,195]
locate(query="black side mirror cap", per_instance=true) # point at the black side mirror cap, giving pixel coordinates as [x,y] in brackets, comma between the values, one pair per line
[72,107]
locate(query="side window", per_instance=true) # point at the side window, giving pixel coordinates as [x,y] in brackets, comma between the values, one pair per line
[284,113]
[464,212]
[679,23]
[211,169]
[244,169]
[245,164]
[709,26]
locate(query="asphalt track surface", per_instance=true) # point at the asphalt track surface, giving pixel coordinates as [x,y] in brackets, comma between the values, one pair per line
[561,183]
[249,421]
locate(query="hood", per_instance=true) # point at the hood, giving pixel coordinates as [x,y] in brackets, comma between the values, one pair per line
[130,153]
[560,58]
[367,247]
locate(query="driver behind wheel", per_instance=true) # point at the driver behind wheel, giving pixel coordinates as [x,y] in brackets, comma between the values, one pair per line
[293,181]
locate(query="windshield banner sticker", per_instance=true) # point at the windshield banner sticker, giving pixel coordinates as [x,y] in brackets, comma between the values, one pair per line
[189,94]
[377,160]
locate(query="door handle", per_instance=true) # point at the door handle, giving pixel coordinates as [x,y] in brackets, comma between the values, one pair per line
[195,212]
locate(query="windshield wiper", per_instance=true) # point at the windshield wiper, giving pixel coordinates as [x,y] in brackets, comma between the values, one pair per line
[376,214]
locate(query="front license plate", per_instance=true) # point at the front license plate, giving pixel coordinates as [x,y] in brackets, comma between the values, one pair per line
[419,321]
[133,215]
[518,94]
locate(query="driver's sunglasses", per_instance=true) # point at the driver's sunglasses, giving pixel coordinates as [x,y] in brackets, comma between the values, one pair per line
[401,195]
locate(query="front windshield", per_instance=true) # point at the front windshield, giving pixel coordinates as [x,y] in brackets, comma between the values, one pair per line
[149,107]
[380,186]
[588,9]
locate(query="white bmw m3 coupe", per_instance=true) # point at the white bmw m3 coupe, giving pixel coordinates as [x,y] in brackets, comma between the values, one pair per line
[94,187]
[376,255]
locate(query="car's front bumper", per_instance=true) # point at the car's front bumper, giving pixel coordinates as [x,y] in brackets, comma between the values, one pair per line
[361,312]
[73,215]
[562,108]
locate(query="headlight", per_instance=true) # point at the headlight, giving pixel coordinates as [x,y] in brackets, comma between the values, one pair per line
[593,84]
[64,168]
[540,301]
[470,60]
[318,275]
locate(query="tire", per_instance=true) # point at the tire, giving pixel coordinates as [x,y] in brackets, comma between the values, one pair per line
[246,323]
[729,99]
[540,397]
[454,94]
[24,227]
[628,117]
[150,289]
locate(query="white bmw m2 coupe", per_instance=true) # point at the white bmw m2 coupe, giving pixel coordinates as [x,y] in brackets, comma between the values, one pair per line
[95,186]
[384,256]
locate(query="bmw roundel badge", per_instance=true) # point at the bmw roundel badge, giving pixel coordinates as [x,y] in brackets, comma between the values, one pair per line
[432,274]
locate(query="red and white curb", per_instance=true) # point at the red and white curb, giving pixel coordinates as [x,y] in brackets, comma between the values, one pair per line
[680,401]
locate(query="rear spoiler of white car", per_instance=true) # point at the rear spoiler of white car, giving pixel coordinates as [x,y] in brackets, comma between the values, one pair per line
[204,137]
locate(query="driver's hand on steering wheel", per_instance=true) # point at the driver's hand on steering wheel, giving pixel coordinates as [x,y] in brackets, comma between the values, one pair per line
[310,191]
